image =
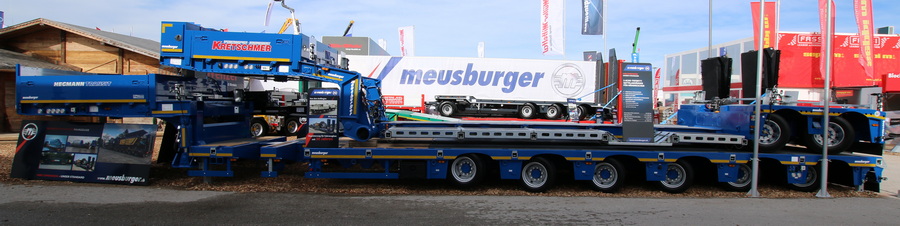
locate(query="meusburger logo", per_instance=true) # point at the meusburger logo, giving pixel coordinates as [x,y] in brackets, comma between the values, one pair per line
[471,76]
[29,131]
[568,80]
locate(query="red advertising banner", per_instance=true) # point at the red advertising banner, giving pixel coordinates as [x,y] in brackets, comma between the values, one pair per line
[768,24]
[863,11]
[800,61]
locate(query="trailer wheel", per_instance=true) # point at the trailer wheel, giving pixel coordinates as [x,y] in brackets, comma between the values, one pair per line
[555,111]
[609,176]
[776,133]
[743,179]
[812,181]
[679,177]
[292,126]
[581,112]
[528,111]
[448,108]
[258,127]
[538,175]
[841,136]
[467,171]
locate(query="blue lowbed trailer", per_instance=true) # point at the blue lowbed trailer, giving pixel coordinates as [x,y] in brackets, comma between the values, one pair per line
[209,123]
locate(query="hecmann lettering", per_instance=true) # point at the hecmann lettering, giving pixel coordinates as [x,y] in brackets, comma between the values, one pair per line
[61,84]
[509,80]
[242,46]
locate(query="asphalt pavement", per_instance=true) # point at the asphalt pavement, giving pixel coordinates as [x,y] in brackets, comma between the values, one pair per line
[78,204]
[115,205]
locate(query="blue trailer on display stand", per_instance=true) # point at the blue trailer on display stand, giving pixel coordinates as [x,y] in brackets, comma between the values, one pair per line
[207,124]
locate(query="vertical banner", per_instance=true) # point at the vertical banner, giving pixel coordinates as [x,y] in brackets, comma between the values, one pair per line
[768,35]
[480,49]
[1,19]
[407,41]
[656,86]
[592,17]
[552,27]
[863,11]
[827,37]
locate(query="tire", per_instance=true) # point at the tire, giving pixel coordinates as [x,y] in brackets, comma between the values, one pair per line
[812,180]
[528,111]
[538,175]
[841,133]
[447,109]
[743,182]
[467,171]
[258,127]
[609,176]
[581,112]
[291,126]
[775,134]
[555,111]
[679,177]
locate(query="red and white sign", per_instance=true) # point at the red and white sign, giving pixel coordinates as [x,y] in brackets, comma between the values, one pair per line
[393,100]
[863,11]
[552,27]
[800,60]
[407,41]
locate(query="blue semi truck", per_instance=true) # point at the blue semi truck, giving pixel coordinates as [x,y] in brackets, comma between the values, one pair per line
[207,124]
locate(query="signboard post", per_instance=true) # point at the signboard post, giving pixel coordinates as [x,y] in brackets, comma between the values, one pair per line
[323,121]
[637,106]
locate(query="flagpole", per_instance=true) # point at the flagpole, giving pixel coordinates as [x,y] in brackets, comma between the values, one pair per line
[758,107]
[605,30]
[829,38]
[709,53]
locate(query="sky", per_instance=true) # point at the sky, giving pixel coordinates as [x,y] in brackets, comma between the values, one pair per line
[509,28]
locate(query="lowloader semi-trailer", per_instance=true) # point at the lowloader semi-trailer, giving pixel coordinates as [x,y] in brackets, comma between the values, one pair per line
[209,124]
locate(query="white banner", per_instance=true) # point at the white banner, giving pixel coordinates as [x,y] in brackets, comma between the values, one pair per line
[553,37]
[480,49]
[405,80]
[407,41]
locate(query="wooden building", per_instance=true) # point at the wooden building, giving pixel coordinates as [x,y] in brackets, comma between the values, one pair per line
[55,45]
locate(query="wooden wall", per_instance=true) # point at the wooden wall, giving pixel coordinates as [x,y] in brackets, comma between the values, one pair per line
[61,47]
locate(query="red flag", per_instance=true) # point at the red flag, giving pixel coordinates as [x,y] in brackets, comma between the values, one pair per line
[827,37]
[768,24]
[97,28]
[863,11]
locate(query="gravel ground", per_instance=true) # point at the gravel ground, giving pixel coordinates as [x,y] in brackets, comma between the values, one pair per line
[247,180]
